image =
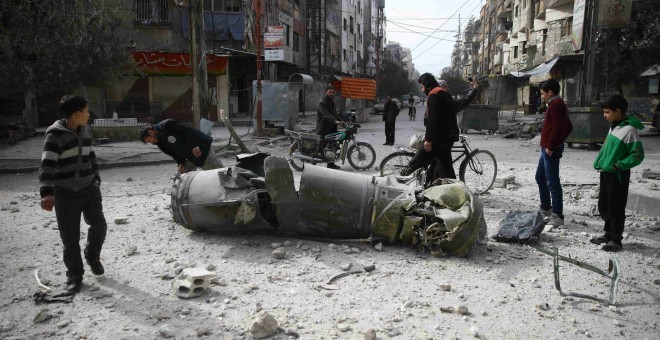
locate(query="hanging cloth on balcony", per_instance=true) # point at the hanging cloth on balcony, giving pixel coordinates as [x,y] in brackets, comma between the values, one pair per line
[541,70]
[220,26]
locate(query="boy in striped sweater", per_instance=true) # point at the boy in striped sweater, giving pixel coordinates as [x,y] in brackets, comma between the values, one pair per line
[70,182]
[621,151]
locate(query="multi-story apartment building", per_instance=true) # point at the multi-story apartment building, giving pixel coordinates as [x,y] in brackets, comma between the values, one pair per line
[352,36]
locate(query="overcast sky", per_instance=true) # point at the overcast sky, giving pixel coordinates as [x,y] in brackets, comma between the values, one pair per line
[428,28]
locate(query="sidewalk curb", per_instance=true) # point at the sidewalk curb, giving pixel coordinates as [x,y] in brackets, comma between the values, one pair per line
[643,203]
[30,169]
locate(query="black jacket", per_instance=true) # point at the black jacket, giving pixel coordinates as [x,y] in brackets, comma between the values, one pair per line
[442,109]
[177,140]
[390,111]
[326,115]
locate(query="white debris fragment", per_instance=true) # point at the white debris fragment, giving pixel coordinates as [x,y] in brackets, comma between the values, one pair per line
[263,325]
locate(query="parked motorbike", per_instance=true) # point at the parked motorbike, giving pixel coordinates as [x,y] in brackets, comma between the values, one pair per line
[308,147]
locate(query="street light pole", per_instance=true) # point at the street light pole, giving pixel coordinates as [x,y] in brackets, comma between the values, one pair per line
[259,130]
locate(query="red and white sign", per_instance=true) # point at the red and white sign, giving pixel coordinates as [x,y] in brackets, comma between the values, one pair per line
[274,37]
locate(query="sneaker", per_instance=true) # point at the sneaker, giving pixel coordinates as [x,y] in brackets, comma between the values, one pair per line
[599,240]
[545,213]
[73,284]
[96,266]
[555,220]
[333,166]
[612,246]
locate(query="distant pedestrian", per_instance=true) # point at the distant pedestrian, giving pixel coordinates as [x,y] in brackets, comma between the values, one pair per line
[556,128]
[621,151]
[327,118]
[71,183]
[412,110]
[390,112]
[183,143]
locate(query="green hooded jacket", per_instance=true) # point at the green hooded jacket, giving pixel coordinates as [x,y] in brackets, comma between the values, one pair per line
[622,149]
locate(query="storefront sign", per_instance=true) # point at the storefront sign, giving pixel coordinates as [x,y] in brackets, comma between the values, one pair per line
[164,63]
[578,23]
[274,37]
[614,13]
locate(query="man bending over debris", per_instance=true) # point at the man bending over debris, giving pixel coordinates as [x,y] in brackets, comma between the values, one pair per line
[183,143]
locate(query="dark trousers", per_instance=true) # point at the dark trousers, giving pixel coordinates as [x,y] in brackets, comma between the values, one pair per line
[69,205]
[439,161]
[389,132]
[612,202]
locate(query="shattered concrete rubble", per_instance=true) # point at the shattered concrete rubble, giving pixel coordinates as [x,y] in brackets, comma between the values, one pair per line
[521,130]
[258,194]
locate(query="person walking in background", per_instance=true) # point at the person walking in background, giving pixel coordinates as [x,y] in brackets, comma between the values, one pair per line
[412,110]
[556,128]
[183,143]
[621,151]
[70,182]
[327,118]
[390,112]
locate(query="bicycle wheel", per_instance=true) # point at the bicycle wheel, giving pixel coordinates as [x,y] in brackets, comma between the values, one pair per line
[361,156]
[478,171]
[296,163]
[393,163]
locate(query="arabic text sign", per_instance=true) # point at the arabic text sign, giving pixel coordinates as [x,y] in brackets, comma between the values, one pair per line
[162,63]
[274,37]
[578,24]
[274,55]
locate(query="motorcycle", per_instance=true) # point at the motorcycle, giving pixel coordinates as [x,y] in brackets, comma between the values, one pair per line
[308,147]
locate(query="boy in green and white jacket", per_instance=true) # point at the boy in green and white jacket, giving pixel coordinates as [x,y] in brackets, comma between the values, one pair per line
[621,151]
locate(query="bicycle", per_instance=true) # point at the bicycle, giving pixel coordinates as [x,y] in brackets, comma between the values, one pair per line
[477,169]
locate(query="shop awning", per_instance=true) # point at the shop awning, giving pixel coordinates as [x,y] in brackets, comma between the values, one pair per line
[358,88]
[651,71]
[538,70]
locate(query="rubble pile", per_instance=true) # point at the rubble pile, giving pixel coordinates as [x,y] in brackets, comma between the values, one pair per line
[10,133]
[521,130]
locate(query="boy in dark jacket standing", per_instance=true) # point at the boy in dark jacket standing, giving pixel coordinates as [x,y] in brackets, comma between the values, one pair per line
[183,143]
[621,151]
[70,182]
[556,128]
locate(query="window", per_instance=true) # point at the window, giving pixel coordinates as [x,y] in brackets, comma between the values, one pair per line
[345,55]
[351,27]
[567,27]
[225,5]
[359,8]
[152,12]
[287,30]
[515,13]
[524,47]
[515,52]
[344,24]
[524,3]
[545,37]
[296,41]
[269,5]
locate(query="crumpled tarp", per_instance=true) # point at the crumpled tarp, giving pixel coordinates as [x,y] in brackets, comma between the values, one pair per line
[520,226]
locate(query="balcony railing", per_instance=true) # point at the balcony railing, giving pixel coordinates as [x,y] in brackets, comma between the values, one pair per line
[152,12]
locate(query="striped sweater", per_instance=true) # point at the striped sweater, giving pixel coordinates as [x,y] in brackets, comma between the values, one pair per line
[622,149]
[68,161]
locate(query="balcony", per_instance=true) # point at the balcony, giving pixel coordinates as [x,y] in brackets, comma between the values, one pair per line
[557,3]
[152,12]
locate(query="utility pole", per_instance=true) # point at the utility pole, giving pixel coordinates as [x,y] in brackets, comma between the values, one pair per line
[259,130]
[198,62]
[589,53]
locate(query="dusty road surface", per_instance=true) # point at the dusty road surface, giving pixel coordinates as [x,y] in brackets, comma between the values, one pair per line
[499,291]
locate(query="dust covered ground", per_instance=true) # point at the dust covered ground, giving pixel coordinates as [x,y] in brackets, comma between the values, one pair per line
[499,291]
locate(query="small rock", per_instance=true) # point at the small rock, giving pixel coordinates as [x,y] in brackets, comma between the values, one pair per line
[121,220]
[445,287]
[344,327]
[14,210]
[618,323]
[169,260]
[345,266]
[63,324]
[462,309]
[656,281]
[210,267]
[584,233]
[258,307]
[543,306]
[166,331]
[130,179]
[474,330]
[130,250]
[370,268]
[275,245]
[204,332]
[264,325]
[370,334]
[447,309]
[379,246]
[287,243]
[42,316]
[279,253]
